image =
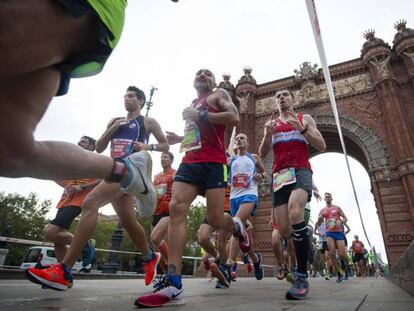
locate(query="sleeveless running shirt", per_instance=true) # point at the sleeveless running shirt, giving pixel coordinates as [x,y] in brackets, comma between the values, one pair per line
[122,141]
[242,171]
[332,218]
[212,138]
[290,147]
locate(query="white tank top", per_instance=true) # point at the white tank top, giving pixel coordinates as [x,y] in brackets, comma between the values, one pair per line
[242,170]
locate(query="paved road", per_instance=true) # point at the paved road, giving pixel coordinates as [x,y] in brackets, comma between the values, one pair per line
[245,294]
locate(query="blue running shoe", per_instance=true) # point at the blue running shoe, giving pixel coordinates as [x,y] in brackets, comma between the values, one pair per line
[222,273]
[258,269]
[299,289]
[218,285]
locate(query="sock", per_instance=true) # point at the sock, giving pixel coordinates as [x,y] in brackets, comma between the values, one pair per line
[118,171]
[300,240]
[175,280]
[149,257]
[66,272]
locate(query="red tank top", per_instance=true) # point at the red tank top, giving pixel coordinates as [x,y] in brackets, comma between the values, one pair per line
[212,138]
[332,218]
[290,148]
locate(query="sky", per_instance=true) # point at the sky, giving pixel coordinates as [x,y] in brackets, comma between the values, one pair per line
[165,43]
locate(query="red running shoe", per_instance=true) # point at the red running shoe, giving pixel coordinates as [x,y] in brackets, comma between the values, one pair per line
[150,268]
[56,276]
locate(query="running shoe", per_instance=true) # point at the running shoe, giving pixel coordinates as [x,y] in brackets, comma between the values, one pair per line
[139,183]
[289,276]
[249,267]
[218,285]
[150,268]
[56,276]
[233,275]
[340,278]
[164,295]
[299,289]
[241,234]
[258,269]
[221,272]
[280,273]
[327,276]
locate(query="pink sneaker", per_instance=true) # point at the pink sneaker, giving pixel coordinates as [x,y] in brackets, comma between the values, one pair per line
[165,295]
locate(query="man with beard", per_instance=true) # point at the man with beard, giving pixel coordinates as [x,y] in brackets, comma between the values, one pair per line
[203,171]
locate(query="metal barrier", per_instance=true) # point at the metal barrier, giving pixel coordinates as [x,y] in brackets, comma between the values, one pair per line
[40,243]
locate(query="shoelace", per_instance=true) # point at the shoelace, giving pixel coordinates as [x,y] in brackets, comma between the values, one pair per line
[160,283]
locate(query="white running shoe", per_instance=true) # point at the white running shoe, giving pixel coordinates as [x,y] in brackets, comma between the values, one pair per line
[140,186]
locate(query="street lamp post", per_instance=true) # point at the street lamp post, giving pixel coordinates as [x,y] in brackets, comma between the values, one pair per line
[149,103]
[112,265]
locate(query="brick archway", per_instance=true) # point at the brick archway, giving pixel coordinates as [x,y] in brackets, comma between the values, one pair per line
[374,97]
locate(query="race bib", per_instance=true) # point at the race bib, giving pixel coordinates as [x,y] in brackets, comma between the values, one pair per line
[331,223]
[161,190]
[192,138]
[240,181]
[120,148]
[284,177]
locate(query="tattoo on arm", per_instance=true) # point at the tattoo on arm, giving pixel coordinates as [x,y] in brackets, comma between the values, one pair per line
[171,269]
[225,103]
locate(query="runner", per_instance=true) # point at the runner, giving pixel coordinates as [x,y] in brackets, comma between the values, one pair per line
[320,230]
[45,57]
[289,136]
[358,249]
[334,217]
[246,171]
[129,138]
[203,170]
[163,184]
[69,206]
[217,247]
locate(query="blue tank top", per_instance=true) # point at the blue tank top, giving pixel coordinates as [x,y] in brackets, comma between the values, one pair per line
[122,141]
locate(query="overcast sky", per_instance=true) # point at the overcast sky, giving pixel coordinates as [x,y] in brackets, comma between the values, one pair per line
[165,43]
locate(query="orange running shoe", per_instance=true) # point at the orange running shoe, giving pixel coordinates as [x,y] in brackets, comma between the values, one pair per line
[150,268]
[56,276]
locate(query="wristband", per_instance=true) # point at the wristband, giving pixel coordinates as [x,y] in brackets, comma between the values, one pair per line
[304,131]
[153,147]
[203,115]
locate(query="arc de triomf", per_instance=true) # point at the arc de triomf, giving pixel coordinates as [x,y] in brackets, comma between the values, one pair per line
[375,98]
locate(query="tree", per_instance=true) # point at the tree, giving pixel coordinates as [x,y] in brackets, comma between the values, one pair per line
[27,218]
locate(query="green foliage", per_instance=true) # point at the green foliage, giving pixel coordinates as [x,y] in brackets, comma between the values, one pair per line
[27,218]
[195,218]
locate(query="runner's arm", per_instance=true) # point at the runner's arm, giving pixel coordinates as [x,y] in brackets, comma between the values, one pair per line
[173,138]
[228,114]
[267,137]
[105,138]
[344,219]
[312,134]
[155,129]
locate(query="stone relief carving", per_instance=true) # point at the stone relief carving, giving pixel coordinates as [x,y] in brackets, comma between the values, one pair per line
[366,104]
[243,99]
[410,56]
[306,71]
[380,67]
[319,92]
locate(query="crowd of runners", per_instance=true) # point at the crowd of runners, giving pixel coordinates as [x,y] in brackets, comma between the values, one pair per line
[228,178]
